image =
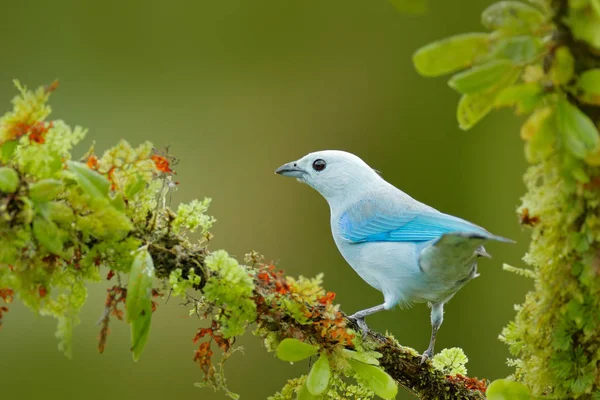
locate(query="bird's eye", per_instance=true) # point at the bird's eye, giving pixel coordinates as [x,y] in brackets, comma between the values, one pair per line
[319,165]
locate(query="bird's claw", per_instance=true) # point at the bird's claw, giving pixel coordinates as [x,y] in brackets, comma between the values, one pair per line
[427,355]
[360,321]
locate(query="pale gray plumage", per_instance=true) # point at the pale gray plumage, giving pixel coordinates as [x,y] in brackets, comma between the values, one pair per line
[405,249]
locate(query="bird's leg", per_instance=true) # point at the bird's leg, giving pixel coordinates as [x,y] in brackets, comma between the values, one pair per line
[437,316]
[359,317]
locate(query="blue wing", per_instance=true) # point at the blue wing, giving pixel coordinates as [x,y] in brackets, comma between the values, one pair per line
[394,219]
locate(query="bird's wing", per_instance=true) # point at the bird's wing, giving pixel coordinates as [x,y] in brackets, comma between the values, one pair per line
[390,217]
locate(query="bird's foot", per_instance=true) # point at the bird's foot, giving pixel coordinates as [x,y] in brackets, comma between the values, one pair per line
[360,321]
[427,355]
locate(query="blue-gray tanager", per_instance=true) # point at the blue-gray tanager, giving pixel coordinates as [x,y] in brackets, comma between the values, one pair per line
[403,248]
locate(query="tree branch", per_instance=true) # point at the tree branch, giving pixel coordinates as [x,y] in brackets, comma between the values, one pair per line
[284,311]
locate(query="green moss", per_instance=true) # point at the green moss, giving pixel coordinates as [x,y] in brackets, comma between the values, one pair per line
[231,288]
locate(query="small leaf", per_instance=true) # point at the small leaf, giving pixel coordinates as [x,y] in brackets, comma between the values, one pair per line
[577,131]
[376,379]
[118,202]
[595,6]
[9,180]
[562,67]
[512,16]
[319,375]
[505,389]
[60,212]
[139,300]
[481,77]
[411,6]
[48,235]
[541,135]
[294,350]
[140,328]
[367,357]
[304,393]
[93,183]
[533,123]
[589,86]
[139,289]
[45,190]
[7,150]
[451,54]
[519,49]
[585,25]
[472,107]
[524,96]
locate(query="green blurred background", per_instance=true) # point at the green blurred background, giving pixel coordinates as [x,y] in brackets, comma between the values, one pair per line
[237,88]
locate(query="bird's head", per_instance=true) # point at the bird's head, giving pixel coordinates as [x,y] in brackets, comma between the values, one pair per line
[333,173]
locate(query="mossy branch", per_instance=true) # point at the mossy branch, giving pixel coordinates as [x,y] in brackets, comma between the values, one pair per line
[544,59]
[301,309]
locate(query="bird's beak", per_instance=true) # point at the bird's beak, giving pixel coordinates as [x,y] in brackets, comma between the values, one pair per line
[290,169]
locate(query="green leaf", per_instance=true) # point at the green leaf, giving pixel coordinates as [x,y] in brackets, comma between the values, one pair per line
[535,121]
[577,131]
[451,54]
[9,180]
[481,77]
[595,6]
[585,25]
[139,300]
[304,393]
[93,183]
[45,190]
[7,150]
[541,132]
[472,107]
[411,6]
[319,375]
[139,289]
[367,357]
[48,235]
[512,16]
[519,49]
[294,350]
[505,389]
[589,86]
[118,202]
[60,212]
[140,328]
[525,96]
[376,379]
[562,67]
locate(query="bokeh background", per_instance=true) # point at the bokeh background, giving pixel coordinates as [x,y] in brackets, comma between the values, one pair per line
[237,88]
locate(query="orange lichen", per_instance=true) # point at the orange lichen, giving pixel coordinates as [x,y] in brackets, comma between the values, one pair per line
[7,295]
[52,87]
[327,299]
[37,132]
[116,295]
[162,164]
[92,162]
[470,383]
[529,220]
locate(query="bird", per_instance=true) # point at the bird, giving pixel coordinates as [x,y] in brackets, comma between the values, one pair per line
[407,250]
